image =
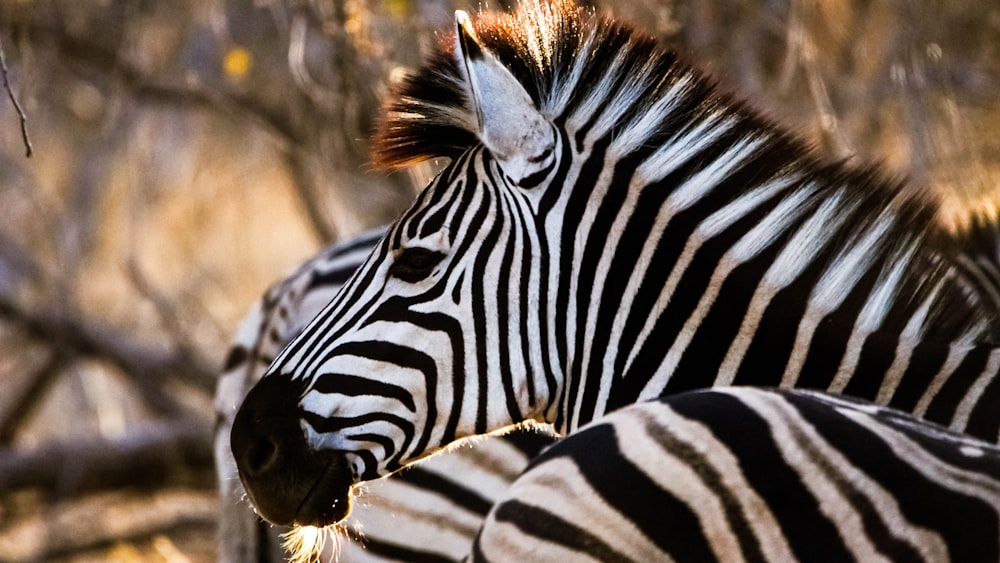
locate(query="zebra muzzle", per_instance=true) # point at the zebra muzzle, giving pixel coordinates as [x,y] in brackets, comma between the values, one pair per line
[288,482]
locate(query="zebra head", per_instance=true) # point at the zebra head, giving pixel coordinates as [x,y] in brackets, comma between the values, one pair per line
[386,374]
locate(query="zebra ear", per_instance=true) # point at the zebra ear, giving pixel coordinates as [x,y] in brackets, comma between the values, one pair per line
[509,124]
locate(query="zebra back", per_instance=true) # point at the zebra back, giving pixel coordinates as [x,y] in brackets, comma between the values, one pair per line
[429,513]
[747,474]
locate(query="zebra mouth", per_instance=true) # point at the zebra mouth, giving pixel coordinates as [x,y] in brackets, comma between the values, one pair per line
[329,500]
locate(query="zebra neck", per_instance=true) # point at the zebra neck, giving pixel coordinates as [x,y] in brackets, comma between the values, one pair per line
[722,255]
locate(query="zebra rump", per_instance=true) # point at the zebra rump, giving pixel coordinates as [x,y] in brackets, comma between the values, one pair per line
[751,474]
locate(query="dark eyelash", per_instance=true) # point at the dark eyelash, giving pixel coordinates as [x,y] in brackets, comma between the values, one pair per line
[414,264]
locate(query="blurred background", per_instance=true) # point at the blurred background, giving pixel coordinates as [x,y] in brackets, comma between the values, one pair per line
[188,153]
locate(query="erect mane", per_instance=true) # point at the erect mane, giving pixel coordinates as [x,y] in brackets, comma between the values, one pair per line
[542,44]
[572,63]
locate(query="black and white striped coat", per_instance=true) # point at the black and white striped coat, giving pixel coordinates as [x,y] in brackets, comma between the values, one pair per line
[749,474]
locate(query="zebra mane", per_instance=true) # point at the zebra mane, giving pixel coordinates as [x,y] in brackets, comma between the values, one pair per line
[574,63]
[556,50]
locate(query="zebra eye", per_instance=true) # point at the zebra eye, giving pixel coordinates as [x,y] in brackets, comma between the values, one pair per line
[414,264]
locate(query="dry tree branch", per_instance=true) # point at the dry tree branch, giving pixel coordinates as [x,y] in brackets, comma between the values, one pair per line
[33,394]
[90,528]
[161,455]
[305,186]
[170,316]
[86,338]
[802,52]
[17,106]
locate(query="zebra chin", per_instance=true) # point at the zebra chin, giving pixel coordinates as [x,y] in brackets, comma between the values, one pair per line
[288,482]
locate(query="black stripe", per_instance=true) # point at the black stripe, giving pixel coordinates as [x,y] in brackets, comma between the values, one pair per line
[749,544]
[452,489]
[614,285]
[576,207]
[502,324]
[829,342]
[715,335]
[923,502]
[984,422]
[521,228]
[629,490]
[877,355]
[810,535]
[831,424]
[489,227]
[539,522]
[942,407]
[926,360]
[354,386]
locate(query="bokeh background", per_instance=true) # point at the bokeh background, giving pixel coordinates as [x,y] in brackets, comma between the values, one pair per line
[188,153]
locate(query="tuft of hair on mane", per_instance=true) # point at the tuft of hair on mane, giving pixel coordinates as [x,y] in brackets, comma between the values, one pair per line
[306,544]
[428,114]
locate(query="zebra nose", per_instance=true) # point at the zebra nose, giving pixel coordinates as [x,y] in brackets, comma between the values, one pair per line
[266,429]
[261,451]
[288,481]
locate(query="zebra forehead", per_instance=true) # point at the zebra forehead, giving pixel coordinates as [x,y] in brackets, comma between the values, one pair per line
[556,50]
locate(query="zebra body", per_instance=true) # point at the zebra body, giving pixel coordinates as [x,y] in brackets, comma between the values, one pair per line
[610,229]
[750,474]
[429,513]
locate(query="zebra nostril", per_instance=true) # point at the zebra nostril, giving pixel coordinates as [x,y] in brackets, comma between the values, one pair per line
[261,456]
[264,437]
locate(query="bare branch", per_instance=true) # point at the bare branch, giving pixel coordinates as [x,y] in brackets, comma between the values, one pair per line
[89,339]
[170,316]
[163,455]
[29,398]
[304,184]
[17,105]
[69,531]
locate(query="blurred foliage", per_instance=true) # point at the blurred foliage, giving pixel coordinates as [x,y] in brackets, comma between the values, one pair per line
[188,153]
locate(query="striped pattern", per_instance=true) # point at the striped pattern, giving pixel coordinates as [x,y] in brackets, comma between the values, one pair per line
[745,474]
[610,229]
[429,513]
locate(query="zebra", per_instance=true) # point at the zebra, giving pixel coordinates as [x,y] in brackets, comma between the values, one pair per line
[752,474]
[280,314]
[429,513]
[611,228]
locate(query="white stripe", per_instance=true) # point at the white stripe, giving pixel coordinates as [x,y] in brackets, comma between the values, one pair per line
[794,437]
[956,353]
[681,148]
[672,472]
[870,319]
[704,181]
[975,392]
[748,247]
[981,486]
[558,488]
[651,121]
[831,290]
[848,362]
[757,512]
[797,255]
[712,226]
[848,268]
[597,102]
